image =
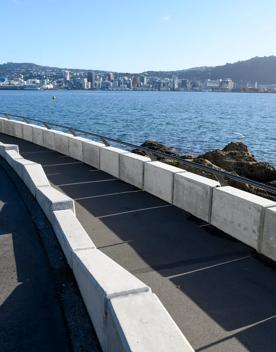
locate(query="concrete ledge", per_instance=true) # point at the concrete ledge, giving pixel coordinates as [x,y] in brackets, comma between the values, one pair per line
[100,278]
[91,152]
[71,235]
[27,132]
[50,199]
[11,156]
[19,164]
[37,137]
[2,121]
[18,129]
[8,127]
[6,147]
[268,245]
[109,160]
[61,142]
[159,179]
[193,193]
[75,148]
[132,168]
[48,139]
[140,323]
[34,176]
[239,214]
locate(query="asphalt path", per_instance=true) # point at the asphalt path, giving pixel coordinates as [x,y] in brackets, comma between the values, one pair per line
[218,291]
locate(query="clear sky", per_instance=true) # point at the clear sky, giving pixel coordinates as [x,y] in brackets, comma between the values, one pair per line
[136,35]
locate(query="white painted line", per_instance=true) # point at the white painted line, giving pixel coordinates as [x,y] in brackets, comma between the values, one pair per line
[207,267]
[135,211]
[63,164]
[86,182]
[108,195]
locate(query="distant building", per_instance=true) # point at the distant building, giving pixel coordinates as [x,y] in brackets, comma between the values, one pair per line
[227,84]
[66,75]
[91,77]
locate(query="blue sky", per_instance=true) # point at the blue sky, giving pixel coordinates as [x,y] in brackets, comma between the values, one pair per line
[136,35]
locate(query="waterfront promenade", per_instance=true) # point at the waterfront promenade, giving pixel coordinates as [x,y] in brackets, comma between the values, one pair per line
[31,318]
[221,296]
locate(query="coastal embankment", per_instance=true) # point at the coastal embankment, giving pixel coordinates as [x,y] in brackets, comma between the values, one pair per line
[235,158]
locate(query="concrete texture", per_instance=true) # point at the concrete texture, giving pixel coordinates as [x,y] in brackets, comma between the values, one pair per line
[268,246]
[99,278]
[132,169]
[109,160]
[220,295]
[75,148]
[71,235]
[4,147]
[128,321]
[27,132]
[194,193]
[34,176]
[91,152]
[159,179]
[61,142]
[239,214]
[48,139]
[38,135]
[50,199]
[31,319]
[18,129]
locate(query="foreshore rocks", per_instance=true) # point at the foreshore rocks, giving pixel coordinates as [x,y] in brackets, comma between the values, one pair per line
[234,158]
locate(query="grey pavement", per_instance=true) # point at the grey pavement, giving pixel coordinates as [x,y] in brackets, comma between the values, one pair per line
[31,319]
[219,292]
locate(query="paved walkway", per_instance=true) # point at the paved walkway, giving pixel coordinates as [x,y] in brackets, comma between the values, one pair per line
[219,294]
[30,316]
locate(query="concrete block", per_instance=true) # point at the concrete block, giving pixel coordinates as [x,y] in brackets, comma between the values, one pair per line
[4,147]
[2,121]
[18,129]
[91,152]
[239,214]
[100,278]
[194,193]
[140,323]
[109,160]
[61,142]
[50,199]
[27,132]
[49,139]
[75,148]
[11,156]
[132,168]
[70,234]
[159,179]
[37,137]
[34,177]
[19,164]
[8,127]
[268,244]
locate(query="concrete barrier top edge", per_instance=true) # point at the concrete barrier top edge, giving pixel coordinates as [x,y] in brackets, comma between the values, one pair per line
[235,192]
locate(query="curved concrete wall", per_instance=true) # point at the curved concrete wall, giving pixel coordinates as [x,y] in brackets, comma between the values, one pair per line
[247,217]
[126,315]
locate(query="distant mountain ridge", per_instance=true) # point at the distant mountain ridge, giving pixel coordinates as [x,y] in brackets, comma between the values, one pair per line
[257,69]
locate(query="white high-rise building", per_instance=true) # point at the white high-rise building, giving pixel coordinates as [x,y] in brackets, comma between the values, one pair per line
[66,75]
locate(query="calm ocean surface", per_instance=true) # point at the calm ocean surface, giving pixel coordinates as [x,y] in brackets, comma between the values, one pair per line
[191,122]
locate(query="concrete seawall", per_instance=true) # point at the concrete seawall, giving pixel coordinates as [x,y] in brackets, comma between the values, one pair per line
[126,315]
[247,217]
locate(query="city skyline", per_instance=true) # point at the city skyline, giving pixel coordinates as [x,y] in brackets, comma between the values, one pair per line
[135,37]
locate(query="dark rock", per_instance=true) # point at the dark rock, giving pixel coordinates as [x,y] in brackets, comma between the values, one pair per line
[234,158]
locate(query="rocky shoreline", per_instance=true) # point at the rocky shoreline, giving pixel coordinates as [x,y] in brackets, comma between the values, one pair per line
[235,158]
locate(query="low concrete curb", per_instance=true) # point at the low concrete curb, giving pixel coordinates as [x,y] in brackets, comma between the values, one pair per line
[101,280]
